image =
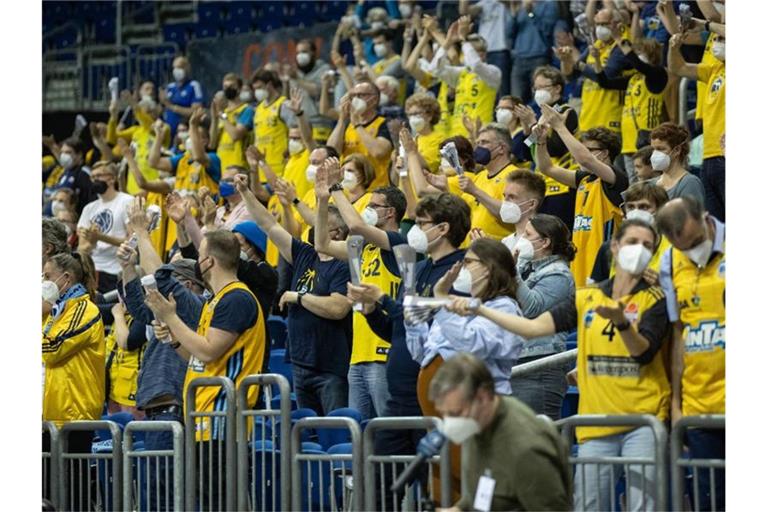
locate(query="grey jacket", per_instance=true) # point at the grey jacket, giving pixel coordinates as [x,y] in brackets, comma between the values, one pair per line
[541,284]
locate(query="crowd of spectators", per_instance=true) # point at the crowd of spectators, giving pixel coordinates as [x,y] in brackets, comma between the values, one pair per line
[529,151]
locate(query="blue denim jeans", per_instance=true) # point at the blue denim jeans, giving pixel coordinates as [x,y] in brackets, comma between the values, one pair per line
[713,178]
[543,391]
[368,390]
[593,482]
[320,391]
[522,71]
[157,467]
[708,444]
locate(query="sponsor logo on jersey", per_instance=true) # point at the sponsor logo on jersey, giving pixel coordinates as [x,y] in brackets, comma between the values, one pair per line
[706,337]
[613,366]
[582,223]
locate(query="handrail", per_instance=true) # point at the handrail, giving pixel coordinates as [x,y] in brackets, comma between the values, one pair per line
[62,28]
[545,362]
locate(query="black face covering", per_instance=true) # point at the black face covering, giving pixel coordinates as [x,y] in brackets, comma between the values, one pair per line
[199,272]
[231,93]
[99,186]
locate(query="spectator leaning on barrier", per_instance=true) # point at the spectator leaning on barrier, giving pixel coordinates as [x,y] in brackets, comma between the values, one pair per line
[693,278]
[319,320]
[181,96]
[614,378]
[519,457]
[543,253]
[102,225]
[73,357]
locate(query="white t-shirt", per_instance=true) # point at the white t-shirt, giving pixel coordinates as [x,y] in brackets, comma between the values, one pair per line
[111,218]
[493,24]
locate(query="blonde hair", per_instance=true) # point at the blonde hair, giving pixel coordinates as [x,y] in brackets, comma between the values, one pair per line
[427,103]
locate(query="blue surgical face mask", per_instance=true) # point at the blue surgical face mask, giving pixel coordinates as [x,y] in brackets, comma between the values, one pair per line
[482,155]
[226,189]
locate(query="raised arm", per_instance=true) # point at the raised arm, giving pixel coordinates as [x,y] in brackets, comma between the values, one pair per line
[159,186]
[414,162]
[411,65]
[156,160]
[544,161]
[297,96]
[336,139]
[378,147]
[279,236]
[676,63]
[98,135]
[197,149]
[324,106]
[579,152]
[323,242]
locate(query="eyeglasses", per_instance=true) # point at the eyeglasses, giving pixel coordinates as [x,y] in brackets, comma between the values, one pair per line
[594,150]
[371,205]
[409,114]
[422,223]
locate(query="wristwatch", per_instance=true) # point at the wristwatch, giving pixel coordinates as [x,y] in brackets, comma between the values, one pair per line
[623,326]
[175,345]
[706,26]
[296,201]
[299,296]
[335,188]
[299,113]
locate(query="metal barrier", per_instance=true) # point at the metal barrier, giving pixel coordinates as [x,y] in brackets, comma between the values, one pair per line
[62,79]
[401,461]
[679,463]
[658,461]
[218,450]
[155,62]
[262,443]
[51,464]
[526,369]
[105,472]
[101,63]
[152,469]
[327,465]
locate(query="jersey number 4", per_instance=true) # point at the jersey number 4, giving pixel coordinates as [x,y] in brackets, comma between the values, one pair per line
[610,331]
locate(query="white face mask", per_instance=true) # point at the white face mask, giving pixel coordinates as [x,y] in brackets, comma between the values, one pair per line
[50,292]
[147,103]
[718,50]
[634,258]
[641,215]
[359,104]
[245,96]
[417,239]
[603,33]
[542,97]
[510,212]
[417,123]
[295,146]
[58,206]
[370,216]
[244,255]
[405,10]
[459,430]
[660,161]
[303,58]
[183,137]
[463,282]
[701,253]
[260,94]
[525,250]
[383,99]
[504,116]
[380,49]
[179,74]
[311,173]
[349,181]
[66,160]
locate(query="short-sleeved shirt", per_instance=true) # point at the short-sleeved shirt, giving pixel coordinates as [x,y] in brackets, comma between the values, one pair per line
[713,107]
[213,169]
[318,343]
[110,217]
[236,312]
[183,95]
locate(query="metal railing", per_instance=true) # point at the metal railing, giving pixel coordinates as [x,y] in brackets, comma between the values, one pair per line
[656,464]
[101,63]
[100,491]
[62,79]
[679,463]
[256,436]
[390,465]
[525,369]
[51,464]
[155,469]
[218,450]
[330,467]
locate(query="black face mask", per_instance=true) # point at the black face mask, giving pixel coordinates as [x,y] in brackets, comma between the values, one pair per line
[99,186]
[231,93]
[199,272]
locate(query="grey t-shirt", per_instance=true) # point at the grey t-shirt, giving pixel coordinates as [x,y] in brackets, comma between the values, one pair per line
[688,185]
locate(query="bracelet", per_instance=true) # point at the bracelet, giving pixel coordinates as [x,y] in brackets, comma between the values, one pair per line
[298,297]
[299,113]
[296,201]
[175,345]
[706,26]
[335,188]
[623,326]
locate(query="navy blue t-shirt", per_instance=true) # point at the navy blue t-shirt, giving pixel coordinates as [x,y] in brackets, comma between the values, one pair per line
[237,311]
[318,343]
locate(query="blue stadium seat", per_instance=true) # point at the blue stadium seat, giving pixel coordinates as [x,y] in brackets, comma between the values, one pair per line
[104,30]
[277,364]
[275,403]
[278,330]
[176,33]
[267,24]
[310,480]
[331,436]
[65,39]
[241,10]
[333,11]
[301,13]
[121,418]
[307,445]
[340,468]
[206,30]
[209,12]
[265,459]
[237,26]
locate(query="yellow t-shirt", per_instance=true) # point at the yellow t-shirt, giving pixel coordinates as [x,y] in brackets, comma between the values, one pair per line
[482,218]
[610,380]
[353,144]
[701,304]
[643,110]
[474,98]
[429,148]
[600,107]
[296,172]
[271,134]
[231,152]
[707,59]
[713,106]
